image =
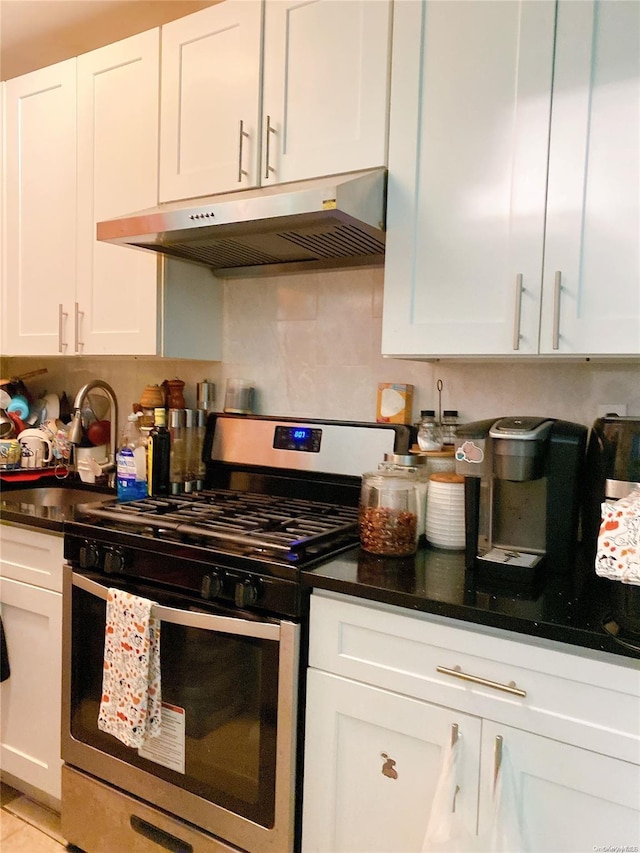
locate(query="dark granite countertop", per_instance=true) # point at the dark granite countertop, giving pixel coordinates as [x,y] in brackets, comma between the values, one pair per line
[569,610]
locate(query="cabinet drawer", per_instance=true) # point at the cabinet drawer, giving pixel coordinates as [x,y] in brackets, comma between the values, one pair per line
[591,703]
[31,557]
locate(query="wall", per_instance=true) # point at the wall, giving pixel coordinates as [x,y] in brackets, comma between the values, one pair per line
[311,343]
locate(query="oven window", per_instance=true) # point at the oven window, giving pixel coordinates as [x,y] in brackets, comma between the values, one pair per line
[226,689]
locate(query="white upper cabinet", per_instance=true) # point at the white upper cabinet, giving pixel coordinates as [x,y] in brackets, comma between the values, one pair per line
[591,289]
[317,104]
[488,100]
[118,105]
[210,108]
[82,146]
[326,87]
[40,226]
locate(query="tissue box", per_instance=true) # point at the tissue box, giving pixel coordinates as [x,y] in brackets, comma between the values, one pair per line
[395,403]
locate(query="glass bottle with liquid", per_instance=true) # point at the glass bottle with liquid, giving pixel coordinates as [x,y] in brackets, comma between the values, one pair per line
[159,456]
[178,452]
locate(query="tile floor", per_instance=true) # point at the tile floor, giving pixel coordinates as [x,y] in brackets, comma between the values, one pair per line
[26,826]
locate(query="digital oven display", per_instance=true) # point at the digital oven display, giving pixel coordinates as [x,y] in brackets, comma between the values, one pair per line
[301,438]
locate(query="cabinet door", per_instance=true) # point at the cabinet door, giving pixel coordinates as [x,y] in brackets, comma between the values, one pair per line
[468,140]
[118,104]
[372,762]
[31,696]
[591,301]
[210,102]
[326,87]
[40,244]
[567,798]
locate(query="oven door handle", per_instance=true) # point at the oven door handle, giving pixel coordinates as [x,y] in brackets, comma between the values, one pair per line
[190,619]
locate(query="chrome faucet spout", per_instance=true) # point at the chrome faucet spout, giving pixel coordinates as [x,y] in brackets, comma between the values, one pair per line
[75,430]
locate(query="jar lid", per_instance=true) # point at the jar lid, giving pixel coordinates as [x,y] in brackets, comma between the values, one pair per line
[409,460]
[446,477]
[428,413]
[431,454]
[450,413]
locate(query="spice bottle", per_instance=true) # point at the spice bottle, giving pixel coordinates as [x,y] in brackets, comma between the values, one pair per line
[178,452]
[388,513]
[159,456]
[429,432]
[449,426]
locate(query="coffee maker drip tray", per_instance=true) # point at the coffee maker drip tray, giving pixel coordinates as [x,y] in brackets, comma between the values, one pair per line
[507,557]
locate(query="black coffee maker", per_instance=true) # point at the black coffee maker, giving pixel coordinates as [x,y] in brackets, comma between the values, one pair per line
[523,485]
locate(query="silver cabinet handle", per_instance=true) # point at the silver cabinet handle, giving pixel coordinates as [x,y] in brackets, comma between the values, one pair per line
[270,130]
[497,759]
[61,314]
[557,287]
[456,672]
[517,313]
[78,314]
[243,133]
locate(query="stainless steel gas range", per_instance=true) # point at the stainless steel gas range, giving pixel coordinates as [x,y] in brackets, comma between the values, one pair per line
[222,567]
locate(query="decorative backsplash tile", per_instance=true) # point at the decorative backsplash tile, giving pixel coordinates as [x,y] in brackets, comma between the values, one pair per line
[311,344]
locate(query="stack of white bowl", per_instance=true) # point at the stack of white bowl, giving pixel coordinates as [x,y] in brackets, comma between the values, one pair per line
[445,511]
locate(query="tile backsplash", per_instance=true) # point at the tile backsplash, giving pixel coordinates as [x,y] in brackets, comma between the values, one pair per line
[311,344]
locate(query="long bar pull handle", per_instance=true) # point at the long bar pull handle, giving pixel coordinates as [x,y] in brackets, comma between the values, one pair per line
[497,759]
[61,314]
[557,287]
[243,133]
[517,313]
[270,130]
[456,672]
[78,314]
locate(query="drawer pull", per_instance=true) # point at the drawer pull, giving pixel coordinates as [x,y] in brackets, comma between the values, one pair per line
[456,672]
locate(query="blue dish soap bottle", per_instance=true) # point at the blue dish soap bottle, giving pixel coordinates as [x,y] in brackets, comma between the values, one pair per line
[131,463]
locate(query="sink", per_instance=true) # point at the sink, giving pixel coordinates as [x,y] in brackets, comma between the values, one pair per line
[55,496]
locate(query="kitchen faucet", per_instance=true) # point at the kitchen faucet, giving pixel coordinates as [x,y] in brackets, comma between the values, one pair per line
[75,430]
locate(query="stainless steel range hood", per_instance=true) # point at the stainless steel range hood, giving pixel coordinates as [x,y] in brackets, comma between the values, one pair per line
[315,224]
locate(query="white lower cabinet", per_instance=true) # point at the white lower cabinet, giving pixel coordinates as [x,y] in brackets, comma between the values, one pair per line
[372,765]
[568,799]
[381,715]
[30,699]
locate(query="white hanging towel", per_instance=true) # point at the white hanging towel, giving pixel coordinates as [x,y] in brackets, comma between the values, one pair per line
[618,554]
[130,708]
[446,831]
[506,834]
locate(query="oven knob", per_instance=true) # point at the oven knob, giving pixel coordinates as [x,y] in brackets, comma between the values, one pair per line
[246,593]
[114,561]
[88,556]
[211,585]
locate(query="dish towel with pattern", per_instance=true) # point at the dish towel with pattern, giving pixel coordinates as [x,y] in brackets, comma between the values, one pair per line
[618,554]
[130,708]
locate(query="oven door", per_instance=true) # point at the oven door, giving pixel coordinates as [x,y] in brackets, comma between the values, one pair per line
[225,760]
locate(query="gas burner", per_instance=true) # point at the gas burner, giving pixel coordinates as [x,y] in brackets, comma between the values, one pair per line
[244,523]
